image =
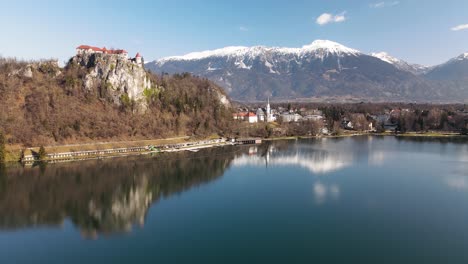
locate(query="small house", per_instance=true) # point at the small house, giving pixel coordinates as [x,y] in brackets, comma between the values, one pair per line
[252,118]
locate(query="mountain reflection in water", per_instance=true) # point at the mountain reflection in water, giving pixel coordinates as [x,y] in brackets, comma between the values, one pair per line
[114,195]
[318,156]
[311,157]
[355,199]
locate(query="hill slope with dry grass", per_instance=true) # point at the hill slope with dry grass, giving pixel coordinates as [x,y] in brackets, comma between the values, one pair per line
[41,103]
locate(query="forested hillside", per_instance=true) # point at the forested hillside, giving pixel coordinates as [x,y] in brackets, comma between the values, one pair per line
[41,103]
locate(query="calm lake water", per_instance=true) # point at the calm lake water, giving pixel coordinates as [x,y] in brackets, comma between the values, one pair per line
[350,200]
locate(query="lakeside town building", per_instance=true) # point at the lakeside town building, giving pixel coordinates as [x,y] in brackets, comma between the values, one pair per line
[260,115]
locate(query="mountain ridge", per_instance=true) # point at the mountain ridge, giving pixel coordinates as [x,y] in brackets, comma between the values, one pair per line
[321,69]
[401,64]
[233,51]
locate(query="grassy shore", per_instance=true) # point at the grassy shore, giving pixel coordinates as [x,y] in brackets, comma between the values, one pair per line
[14,151]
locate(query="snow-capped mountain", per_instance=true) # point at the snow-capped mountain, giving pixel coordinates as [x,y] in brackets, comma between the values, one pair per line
[452,76]
[401,64]
[322,69]
[454,69]
[273,58]
[319,48]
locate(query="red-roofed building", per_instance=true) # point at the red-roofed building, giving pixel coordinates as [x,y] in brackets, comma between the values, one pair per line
[240,116]
[252,118]
[245,116]
[85,49]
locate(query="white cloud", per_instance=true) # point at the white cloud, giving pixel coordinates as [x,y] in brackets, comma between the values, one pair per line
[384,4]
[377,5]
[327,18]
[460,27]
[242,28]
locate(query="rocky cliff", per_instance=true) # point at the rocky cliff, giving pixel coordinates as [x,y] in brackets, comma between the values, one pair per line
[114,76]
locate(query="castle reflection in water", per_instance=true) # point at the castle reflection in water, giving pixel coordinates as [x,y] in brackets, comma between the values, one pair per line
[104,196]
[114,196]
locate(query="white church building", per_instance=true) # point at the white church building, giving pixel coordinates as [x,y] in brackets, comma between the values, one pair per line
[265,116]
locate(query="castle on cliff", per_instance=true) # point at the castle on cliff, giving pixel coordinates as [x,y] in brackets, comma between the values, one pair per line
[85,49]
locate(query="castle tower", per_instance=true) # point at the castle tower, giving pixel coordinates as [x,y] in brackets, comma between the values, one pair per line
[138,59]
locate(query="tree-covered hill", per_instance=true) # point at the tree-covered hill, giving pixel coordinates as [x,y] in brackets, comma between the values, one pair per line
[41,103]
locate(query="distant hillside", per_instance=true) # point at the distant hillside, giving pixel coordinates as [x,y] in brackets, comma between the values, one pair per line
[101,97]
[323,69]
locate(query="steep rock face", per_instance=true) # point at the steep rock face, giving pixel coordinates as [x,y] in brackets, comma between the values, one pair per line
[115,76]
[27,70]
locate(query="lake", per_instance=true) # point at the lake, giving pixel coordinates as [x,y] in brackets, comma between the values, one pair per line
[345,200]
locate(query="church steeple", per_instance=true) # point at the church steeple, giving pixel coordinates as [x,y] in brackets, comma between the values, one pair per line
[268,110]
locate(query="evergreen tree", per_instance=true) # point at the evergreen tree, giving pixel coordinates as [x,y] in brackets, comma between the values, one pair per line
[42,153]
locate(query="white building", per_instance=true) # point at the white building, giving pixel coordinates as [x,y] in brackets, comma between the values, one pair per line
[252,118]
[260,115]
[313,117]
[289,117]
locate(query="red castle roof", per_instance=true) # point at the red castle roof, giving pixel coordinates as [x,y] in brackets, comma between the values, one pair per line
[138,55]
[103,50]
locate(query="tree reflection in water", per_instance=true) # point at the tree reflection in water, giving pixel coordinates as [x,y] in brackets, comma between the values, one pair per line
[103,196]
[111,196]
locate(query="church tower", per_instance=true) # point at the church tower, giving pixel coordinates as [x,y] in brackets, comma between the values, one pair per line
[268,111]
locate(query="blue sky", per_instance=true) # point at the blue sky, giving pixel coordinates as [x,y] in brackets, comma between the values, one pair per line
[415,30]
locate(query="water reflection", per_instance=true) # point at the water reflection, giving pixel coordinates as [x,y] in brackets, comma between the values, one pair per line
[102,197]
[322,192]
[312,157]
[114,196]
[319,157]
[458,179]
[458,183]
